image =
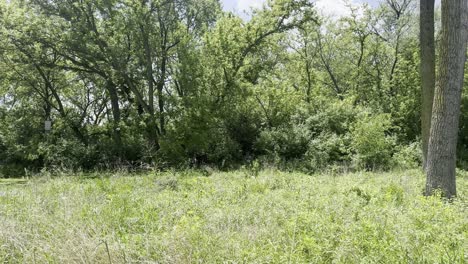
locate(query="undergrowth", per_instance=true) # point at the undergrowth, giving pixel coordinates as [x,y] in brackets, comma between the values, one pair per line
[236,217]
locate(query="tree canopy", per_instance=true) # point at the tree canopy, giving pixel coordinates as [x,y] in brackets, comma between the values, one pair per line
[178,83]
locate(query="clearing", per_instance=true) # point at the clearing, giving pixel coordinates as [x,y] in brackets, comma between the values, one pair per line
[231,217]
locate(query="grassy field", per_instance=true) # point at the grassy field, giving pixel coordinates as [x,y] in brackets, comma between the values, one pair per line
[236,217]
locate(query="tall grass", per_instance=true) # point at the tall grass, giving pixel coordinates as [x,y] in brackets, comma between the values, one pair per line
[235,217]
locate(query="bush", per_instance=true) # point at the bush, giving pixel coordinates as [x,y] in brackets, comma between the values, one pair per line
[408,156]
[288,143]
[325,150]
[370,142]
[197,140]
[66,154]
[313,139]
[462,153]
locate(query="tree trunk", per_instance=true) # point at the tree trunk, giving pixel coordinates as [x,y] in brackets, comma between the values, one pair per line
[441,158]
[160,87]
[114,98]
[427,47]
[153,130]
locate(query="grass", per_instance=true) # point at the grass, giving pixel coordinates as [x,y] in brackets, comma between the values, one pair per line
[235,217]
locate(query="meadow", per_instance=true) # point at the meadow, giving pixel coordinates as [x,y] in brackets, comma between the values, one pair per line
[242,216]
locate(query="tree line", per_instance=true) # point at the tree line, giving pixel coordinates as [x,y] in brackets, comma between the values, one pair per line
[180,83]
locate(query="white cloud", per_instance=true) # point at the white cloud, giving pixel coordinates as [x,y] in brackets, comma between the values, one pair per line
[246,5]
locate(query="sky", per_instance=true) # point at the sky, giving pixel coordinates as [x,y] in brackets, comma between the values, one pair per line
[328,7]
[334,8]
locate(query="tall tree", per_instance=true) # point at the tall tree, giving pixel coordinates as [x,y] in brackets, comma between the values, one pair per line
[426,38]
[441,158]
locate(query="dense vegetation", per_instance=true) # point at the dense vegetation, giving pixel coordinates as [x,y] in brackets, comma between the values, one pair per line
[180,83]
[171,131]
[235,217]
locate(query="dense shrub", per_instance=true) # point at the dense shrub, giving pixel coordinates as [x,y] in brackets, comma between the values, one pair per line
[312,139]
[370,141]
[288,143]
[463,134]
[66,154]
[408,156]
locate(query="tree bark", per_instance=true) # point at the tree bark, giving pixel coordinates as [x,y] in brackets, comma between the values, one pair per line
[427,69]
[114,98]
[441,158]
[153,130]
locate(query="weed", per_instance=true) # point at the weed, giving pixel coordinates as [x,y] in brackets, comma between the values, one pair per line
[268,217]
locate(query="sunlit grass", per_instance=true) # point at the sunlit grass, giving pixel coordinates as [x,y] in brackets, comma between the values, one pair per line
[189,217]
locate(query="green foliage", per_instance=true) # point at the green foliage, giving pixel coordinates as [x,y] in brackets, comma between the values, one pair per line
[186,217]
[314,138]
[408,157]
[183,84]
[66,155]
[372,145]
[463,134]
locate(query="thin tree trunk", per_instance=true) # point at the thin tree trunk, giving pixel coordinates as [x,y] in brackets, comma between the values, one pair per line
[60,108]
[427,70]
[441,158]
[153,130]
[114,98]
[160,87]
